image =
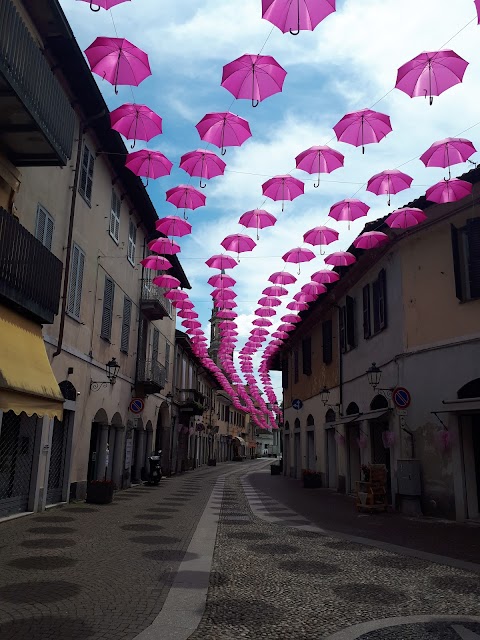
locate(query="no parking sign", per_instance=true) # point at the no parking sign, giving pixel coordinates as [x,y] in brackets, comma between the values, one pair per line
[137,405]
[401,397]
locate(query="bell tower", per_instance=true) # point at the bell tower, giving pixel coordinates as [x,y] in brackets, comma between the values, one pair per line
[214,335]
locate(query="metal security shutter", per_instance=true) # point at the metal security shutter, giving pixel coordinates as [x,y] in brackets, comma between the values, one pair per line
[44,227]
[56,470]
[107,315]
[115,216]
[126,319]
[75,283]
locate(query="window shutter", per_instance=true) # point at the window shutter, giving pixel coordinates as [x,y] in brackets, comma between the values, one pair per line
[40,223]
[107,315]
[167,359]
[155,341]
[367,328]
[295,366]
[307,356]
[350,321]
[456,262]
[132,238]
[376,306]
[342,329]
[382,299]
[78,297]
[88,190]
[115,216]
[84,172]
[127,315]
[74,296]
[48,237]
[285,374]
[473,237]
[327,337]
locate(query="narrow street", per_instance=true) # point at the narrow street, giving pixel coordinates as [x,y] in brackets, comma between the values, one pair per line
[140,568]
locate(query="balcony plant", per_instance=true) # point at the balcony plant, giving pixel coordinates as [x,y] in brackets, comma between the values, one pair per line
[100,492]
[311,479]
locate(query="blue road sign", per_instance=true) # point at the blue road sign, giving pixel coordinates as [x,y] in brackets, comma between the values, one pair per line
[137,405]
[401,397]
[297,404]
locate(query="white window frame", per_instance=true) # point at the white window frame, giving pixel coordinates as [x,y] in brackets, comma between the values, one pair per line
[114,222]
[42,234]
[132,242]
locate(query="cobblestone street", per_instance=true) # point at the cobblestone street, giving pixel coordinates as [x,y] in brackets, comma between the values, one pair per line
[84,572]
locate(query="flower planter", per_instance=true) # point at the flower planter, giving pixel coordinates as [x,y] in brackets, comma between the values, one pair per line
[312,481]
[99,492]
[275,469]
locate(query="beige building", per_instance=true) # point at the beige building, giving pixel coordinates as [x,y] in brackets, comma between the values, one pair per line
[84,222]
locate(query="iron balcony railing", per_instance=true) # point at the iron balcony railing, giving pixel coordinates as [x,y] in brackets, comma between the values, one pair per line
[185,396]
[152,374]
[153,294]
[30,275]
[28,73]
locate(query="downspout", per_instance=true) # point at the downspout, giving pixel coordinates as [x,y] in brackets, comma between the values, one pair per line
[81,131]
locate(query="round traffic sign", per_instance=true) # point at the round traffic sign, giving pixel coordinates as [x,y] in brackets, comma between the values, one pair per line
[137,405]
[297,404]
[401,397]
[418,627]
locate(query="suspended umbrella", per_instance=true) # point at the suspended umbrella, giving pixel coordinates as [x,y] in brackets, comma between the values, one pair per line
[136,122]
[449,191]
[298,255]
[253,77]
[175,294]
[477,6]
[221,281]
[275,290]
[286,326]
[370,240]
[448,152]
[389,182]
[239,243]
[265,312]
[257,219]
[228,323]
[191,324]
[157,263]
[148,164]
[262,322]
[259,332]
[173,226]
[282,277]
[290,318]
[227,314]
[269,301]
[319,236]
[221,261]
[282,335]
[283,188]
[362,127]
[314,288]
[195,332]
[340,259]
[431,73]
[226,304]
[166,281]
[183,313]
[349,209]
[118,61]
[164,246]
[103,4]
[224,129]
[183,304]
[297,306]
[225,294]
[185,197]
[304,297]
[296,15]
[320,159]
[405,218]
[202,164]
[325,276]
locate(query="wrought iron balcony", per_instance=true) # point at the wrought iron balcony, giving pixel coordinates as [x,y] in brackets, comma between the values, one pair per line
[30,275]
[153,303]
[37,122]
[151,376]
[190,399]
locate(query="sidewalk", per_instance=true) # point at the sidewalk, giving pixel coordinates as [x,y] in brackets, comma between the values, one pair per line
[336,512]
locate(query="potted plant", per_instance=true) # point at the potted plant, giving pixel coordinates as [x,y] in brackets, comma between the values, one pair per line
[311,479]
[99,492]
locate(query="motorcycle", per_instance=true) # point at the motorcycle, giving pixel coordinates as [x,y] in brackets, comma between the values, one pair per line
[154,468]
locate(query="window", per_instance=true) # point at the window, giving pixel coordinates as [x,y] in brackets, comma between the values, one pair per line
[307,356]
[155,343]
[132,239]
[115,216]
[327,334]
[127,315]
[380,302]
[466,259]
[347,325]
[107,314]
[167,359]
[295,366]
[44,227]
[77,264]
[367,328]
[86,175]
[285,374]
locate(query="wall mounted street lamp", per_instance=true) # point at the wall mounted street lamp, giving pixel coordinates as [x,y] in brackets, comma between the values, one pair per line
[325,396]
[169,398]
[111,369]
[374,375]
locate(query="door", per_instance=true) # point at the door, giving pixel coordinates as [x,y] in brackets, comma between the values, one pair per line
[380,453]
[311,450]
[17,442]
[476,453]
[93,453]
[354,466]
[298,456]
[286,454]
[56,472]
[331,459]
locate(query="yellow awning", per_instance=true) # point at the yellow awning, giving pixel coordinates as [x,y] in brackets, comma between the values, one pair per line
[27,382]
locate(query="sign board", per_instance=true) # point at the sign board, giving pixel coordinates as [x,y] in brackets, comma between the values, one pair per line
[297,404]
[137,405]
[128,453]
[401,397]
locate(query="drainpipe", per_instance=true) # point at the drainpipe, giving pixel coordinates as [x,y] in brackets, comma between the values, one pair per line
[81,131]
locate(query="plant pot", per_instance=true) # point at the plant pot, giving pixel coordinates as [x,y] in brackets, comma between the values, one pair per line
[99,492]
[275,469]
[313,481]
[212,462]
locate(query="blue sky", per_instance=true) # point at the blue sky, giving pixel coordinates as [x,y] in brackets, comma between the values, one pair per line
[349,62]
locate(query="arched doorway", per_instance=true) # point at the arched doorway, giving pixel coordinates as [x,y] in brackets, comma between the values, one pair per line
[331,450]
[60,448]
[297,449]
[379,453]
[310,453]
[97,456]
[352,434]
[469,432]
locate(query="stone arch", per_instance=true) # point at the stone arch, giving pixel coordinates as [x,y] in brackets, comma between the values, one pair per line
[68,390]
[117,420]
[352,409]
[101,417]
[330,416]
[149,426]
[310,420]
[296,424]
[379,402]
[139,426]
[469,390]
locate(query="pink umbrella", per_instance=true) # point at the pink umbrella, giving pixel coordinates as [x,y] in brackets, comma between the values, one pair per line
[221,281]
[175,294]
[118,61]
[296,15]
[282,335]
[226,314]
[258,219]
[265,312]
[224,129]
[226,294]
[349,209]
[166,281]
[325,276]
[103,4]
[297,306]
[262,322]
[319,160]
[221,261]
[164,246]
[448,152]
[298,255]
[304,297]
[253,77]
[282,277]
[185,197]
[259,332]
[388,182]
[405,218]
[173,226]
[431,73]
[287,326]
[239,243]
[290,318]
[477,6]
[283,188]
[269,301]
[148,164]
[370,240]
[362,127]
[183,313]
[275,290]
[183,304]
[319,236]
[191,324]
[203,164]
[340,259]
[314,288]
[226,304]
[157,263]
[136,122]
[449,191]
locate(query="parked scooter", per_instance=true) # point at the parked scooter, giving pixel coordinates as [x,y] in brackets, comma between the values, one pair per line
[154,470]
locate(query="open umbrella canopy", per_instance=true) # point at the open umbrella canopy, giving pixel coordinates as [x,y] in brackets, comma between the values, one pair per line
[447,152]
[157,263]
[362,127]
[370,240]
[166,281]
[405,218]
[223,129]
[282,277]
[298,255]
[340,259]
[320,159]
[221,281]
[257,219]
[103,4]
[186,197]
[253,77]
[173,226]
[228,314]
[325,276]
[319,236]
[239,243]
[291,318]
[449,191]
[348,210]
[262,322]
[283,188]
[148,164]
[175,294]
[286,326]
[314,288]
[118,61]
[183,313]
[164,246]
[275,290]
[221,261]
[269,301]
[296,15]
[136,122]
[202,164]
[226,294]
[389,182]
[265,312]
[294,305]
[304,297]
